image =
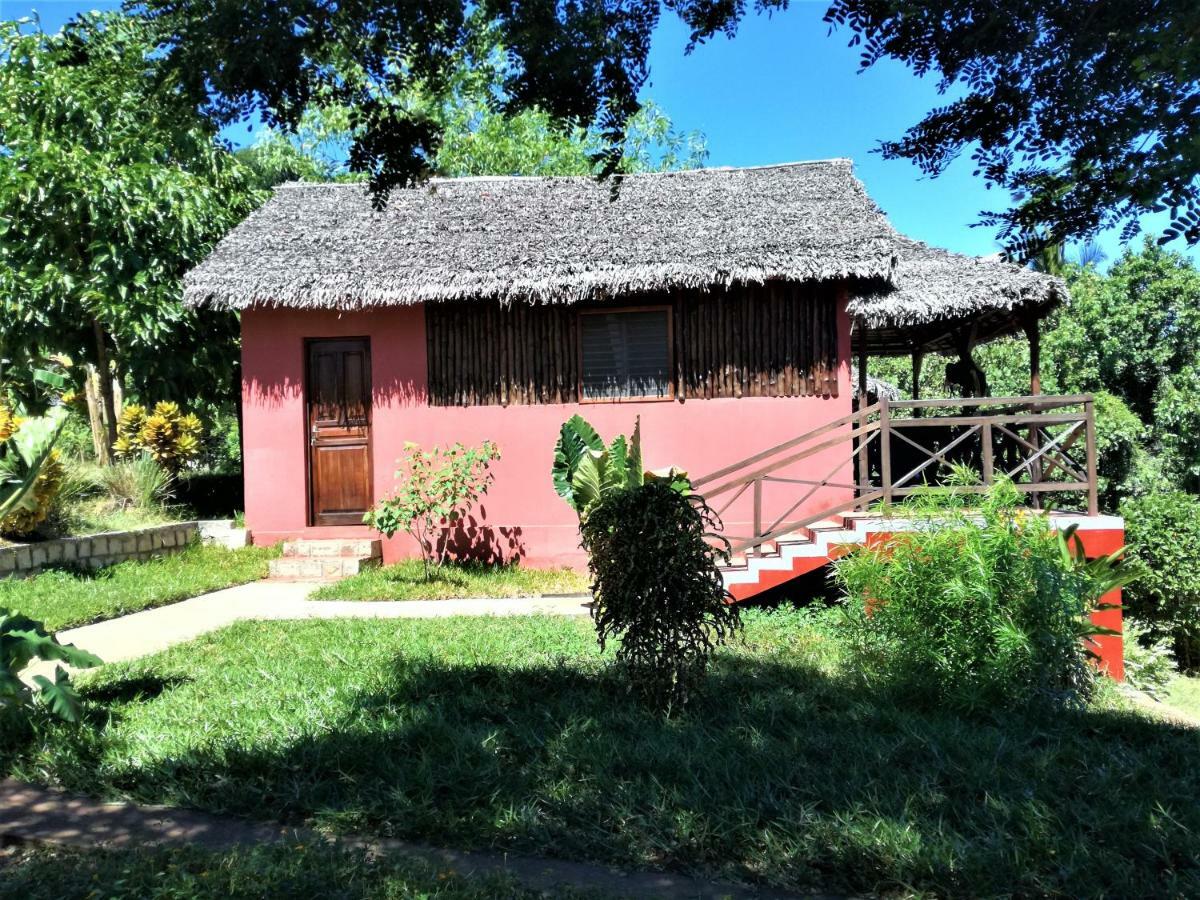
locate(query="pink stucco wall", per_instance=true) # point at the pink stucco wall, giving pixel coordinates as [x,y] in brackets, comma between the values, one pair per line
[521,516]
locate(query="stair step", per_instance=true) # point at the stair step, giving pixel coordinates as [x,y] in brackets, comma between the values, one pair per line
[357,548]
[319,568]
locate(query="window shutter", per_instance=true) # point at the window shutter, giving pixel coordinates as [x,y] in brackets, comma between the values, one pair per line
[625,354]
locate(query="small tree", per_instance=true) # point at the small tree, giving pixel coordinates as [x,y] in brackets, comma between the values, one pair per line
[437,489]
[657,587]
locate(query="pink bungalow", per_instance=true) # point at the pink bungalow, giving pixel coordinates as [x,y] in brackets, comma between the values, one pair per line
[722,307]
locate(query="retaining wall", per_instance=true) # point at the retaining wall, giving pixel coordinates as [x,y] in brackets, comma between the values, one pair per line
[94,551]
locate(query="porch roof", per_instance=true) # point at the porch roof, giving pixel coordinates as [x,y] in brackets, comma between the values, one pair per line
[566,240]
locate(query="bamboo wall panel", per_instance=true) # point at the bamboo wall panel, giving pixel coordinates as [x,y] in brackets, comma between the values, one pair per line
[773,340]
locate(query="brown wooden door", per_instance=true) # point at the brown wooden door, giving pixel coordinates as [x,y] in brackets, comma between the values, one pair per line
[339,430]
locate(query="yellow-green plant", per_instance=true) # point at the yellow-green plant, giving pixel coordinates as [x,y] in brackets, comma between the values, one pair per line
[24,519]
[170,436]
[29,472]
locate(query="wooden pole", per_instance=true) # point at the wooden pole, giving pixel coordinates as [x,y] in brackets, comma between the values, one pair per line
[1035,354]
[918,358]
[864,472]
[1035,388]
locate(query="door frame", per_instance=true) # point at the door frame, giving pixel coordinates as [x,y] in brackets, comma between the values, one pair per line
[310,513]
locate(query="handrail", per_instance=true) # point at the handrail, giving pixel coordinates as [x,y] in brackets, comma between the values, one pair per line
[869,431]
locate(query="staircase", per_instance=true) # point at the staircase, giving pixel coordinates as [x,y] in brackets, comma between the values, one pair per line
[325,560]
[800,520]
[789,556]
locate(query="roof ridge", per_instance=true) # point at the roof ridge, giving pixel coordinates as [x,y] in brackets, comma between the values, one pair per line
[705,170]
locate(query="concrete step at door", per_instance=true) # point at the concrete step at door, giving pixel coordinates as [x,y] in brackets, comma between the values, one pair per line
[319,568]
[356,548]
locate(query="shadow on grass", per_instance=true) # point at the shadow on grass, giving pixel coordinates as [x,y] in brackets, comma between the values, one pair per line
[779,773]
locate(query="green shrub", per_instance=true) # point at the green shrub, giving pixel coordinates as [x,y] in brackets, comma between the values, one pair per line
[1118,446]
[657,587]
[1163,536]
[437,489]
[139,482]
[1149,665]
[972,613]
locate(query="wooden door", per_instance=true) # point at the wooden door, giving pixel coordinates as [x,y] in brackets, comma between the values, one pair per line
[339,430]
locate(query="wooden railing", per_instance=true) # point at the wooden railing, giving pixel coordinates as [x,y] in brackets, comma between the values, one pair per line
[1044,444]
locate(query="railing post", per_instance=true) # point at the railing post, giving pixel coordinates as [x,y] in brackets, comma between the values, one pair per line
[758,508]
[885,450]
[989,464]
[1089,415]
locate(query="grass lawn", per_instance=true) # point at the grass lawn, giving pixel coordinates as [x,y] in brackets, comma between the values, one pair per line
[515,734]
[64,598]
[1184,694]
[295,872]
[406,581]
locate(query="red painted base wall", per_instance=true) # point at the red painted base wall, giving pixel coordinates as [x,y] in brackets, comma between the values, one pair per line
[522,517]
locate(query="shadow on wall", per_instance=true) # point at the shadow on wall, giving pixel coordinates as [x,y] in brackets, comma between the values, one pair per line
[471,540]
[275,393]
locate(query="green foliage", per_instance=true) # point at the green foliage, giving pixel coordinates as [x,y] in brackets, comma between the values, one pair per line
[657,587]
[165,433]
[494,88]
[437,490]
[96,139]
[975,615]
[1149,663]
[1077,156]
[1163,533]
[23,640]
[137,483]
[1120,455]
[584,470]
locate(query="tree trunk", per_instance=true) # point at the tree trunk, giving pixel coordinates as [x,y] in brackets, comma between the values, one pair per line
[91,390]
[107,399]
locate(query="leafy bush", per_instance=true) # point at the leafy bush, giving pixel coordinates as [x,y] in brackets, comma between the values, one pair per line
[585,470]
[23,640]
[1149,665]
[657,587]
[140,483]
[976,614]
[437,489]
[1163,535]
[1118,446]
[166,433]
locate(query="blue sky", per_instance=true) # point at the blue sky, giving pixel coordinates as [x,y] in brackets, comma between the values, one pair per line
[783,90]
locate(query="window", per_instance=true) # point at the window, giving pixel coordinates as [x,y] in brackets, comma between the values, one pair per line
[625,354]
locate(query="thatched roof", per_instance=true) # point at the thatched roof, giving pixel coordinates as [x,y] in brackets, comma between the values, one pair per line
[563,240]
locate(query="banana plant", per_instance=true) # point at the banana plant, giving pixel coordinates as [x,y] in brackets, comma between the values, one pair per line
[23,640]
[585,469]
[24,454]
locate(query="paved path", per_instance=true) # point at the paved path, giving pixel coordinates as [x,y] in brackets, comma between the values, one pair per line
[146,632]
[45,816]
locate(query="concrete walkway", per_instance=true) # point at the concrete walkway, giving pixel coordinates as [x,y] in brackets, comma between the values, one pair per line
[142,633]
[45,816]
